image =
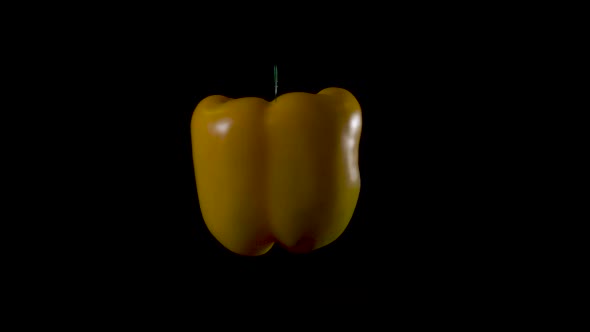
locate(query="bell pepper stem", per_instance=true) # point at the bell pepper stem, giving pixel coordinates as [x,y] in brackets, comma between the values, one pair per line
[276,75]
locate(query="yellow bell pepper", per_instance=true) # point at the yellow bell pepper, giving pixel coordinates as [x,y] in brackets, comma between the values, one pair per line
[284,171]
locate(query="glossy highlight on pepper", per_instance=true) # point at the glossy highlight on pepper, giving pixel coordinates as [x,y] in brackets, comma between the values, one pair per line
[281,172]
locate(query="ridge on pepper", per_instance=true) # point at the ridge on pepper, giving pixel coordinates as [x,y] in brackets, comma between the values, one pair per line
[281,172]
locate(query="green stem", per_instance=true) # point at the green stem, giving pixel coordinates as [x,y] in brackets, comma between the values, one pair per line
[276,72]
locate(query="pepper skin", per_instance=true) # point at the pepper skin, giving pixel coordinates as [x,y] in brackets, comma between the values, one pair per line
[284,171]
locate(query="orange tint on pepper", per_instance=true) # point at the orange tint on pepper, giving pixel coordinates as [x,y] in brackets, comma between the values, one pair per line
[282,172]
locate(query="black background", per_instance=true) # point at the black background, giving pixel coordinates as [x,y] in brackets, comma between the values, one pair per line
[127,209]
[110,211]
[421,218]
